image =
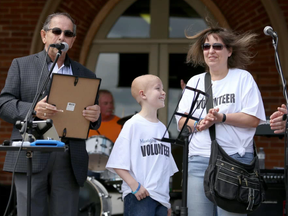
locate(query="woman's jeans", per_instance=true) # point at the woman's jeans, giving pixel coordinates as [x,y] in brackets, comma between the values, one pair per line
[198,204]
[144,207]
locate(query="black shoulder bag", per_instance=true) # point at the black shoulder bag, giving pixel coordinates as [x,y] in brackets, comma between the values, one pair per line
[230,184]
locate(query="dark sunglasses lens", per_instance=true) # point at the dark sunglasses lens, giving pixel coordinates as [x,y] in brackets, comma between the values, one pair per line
[56,31]
[68,33]
[217,46]
[206,46]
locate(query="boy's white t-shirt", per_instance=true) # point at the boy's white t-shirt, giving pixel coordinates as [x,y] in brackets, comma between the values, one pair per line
[235,93]
[149,161]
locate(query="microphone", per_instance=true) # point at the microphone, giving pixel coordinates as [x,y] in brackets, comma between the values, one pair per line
[61,46]
[268,30]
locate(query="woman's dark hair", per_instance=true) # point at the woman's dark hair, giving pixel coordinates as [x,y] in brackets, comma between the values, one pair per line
[239,44]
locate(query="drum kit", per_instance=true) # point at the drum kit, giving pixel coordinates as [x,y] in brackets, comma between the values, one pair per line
[101,195]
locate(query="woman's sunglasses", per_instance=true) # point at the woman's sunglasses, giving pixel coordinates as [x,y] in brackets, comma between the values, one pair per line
[58,31]
[216,46]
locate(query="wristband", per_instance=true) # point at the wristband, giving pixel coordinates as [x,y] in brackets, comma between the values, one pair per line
[195,126]
[224,117]
[137,189]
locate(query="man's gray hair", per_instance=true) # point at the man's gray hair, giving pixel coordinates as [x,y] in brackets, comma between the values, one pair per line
[46,24]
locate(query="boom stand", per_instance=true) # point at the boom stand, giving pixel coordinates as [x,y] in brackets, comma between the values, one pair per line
[279,69]
[183,140]
[28,126]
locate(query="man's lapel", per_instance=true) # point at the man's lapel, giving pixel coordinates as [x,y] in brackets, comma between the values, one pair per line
[75,69]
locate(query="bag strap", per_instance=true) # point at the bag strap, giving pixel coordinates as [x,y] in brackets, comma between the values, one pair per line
[209,104]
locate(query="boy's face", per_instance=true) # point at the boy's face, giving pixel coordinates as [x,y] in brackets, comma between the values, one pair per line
[155,95]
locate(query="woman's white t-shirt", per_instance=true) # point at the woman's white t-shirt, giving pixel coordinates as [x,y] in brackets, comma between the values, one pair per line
[235,93]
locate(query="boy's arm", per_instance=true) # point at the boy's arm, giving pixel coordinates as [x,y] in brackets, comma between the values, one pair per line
[132,183]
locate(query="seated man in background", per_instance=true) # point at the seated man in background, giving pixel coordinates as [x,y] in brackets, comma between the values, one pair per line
[109,126]
[109,130]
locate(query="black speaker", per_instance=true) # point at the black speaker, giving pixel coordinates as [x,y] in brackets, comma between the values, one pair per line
[274,195]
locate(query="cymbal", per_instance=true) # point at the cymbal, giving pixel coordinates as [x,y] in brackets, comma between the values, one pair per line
[124,119]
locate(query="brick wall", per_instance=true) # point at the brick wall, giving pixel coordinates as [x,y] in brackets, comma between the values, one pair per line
[18,19]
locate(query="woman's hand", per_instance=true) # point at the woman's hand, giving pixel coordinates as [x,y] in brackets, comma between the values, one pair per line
[211,118]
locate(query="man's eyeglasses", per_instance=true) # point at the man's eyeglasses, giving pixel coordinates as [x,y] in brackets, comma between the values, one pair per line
[58,31]
[216,46]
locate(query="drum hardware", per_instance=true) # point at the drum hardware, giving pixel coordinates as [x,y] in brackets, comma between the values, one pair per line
[90,208]
[94,199]
[99,148]
[124,119]
[106,196]
[112,179]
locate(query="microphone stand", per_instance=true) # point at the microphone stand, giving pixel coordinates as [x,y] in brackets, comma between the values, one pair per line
[29,116]
[183,140]
[28,124]
[279,69]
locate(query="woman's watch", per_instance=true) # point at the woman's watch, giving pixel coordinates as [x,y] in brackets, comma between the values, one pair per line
[224,118]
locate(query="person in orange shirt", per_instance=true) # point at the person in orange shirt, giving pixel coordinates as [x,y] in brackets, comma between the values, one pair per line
[106,134]
[109,126]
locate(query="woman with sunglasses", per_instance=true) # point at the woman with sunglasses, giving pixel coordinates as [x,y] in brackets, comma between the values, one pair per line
[237,108]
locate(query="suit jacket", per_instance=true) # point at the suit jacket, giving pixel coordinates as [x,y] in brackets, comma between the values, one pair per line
[15,100]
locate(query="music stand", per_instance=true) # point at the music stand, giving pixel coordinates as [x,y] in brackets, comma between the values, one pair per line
[43,147]
[183,139]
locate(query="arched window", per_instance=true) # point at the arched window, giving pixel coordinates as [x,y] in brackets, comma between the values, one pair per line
[146,37]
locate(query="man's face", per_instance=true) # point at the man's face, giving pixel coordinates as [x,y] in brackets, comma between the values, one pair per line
[48,37]
[106,104]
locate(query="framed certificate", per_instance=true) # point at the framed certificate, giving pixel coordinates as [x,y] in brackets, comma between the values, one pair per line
[72,94]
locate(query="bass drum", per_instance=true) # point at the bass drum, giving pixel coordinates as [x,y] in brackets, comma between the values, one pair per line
[94,199]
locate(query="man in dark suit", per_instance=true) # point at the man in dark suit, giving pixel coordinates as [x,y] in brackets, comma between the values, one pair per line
[57,176]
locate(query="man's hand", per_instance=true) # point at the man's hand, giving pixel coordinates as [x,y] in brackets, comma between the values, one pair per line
[45,110]
[277,123]
[92,113]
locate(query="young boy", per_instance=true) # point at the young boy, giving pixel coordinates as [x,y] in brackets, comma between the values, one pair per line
[144,164]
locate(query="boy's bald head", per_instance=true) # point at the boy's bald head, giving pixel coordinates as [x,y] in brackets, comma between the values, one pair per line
[141,83]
